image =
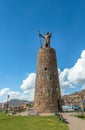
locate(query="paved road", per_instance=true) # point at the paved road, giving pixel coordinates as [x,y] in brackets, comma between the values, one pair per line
[74,123]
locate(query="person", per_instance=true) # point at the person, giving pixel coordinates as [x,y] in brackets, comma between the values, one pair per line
[47,38]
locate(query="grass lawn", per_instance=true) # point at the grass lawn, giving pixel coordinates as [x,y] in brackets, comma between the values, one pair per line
[31,123]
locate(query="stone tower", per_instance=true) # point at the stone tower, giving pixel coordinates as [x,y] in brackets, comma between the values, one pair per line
[47,88]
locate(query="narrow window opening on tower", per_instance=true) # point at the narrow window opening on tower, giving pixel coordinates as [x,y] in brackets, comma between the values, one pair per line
[45,68]
[50,77]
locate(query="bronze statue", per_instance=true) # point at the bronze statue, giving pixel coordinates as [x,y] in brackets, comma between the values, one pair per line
[47,38]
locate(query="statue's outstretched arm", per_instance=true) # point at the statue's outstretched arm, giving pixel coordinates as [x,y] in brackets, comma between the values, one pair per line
[41,35]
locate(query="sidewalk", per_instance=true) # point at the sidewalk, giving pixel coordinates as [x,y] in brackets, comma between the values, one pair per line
[74,123]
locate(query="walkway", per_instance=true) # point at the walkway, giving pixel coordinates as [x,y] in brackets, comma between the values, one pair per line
[74,123]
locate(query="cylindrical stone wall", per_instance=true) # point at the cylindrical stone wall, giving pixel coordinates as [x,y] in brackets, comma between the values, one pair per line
[47,89]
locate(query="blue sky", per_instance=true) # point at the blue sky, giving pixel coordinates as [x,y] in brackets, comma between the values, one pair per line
[20,21]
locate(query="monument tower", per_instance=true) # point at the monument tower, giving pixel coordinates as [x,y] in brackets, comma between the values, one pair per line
[47,88]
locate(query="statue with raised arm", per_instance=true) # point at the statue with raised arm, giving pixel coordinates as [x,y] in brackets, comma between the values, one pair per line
[47,39]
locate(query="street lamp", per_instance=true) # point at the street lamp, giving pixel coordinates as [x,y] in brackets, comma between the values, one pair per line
[7,105]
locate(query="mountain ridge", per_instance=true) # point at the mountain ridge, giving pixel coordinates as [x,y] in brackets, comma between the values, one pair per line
[17,102]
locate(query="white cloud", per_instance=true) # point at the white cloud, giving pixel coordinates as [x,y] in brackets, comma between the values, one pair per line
[83,54]
[83,87]
[14,95]
[29,94]
[27,86]
[75,76]
[25,95]
[4,91]
[64,82]
[77,72]
[29,82]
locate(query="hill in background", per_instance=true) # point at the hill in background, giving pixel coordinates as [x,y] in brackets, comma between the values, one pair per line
[17,102]
[76,98]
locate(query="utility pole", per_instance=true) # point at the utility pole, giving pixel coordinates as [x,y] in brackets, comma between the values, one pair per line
[7,105]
